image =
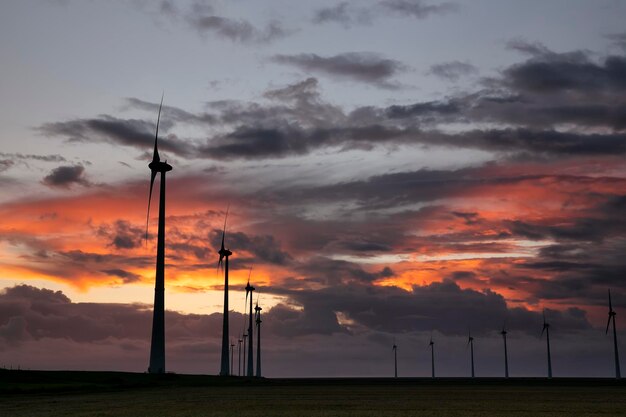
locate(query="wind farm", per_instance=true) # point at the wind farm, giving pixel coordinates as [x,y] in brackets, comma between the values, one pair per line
[429,194]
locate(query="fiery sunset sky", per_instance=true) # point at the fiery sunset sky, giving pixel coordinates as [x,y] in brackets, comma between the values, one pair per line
[393,168]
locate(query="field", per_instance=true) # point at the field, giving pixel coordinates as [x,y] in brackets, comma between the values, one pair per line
[38,393]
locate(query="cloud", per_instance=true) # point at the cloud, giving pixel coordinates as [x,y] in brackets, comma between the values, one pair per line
[365,67]
[343,13]
[453,71]
[417,9]
[66,176]
[237,30]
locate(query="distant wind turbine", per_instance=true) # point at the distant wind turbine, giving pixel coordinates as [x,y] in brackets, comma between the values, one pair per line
[157,345]
[239,355]
[470,343]
[506,353]
[224,253]
[249,291]
[232,357]
[546,329]
[395,358]
[612,315]
[244,337]
[257,314]
[432,355]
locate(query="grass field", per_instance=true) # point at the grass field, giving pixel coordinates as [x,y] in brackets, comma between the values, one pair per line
[28,393]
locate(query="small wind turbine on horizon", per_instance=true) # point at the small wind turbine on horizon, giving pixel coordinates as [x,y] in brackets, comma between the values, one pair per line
[232,357]
[506,353]
[224,253]
[612,315]
[395,358]
[239,341]
[157,344]
[257,314]
[249,291]
[432,355]
[470,343]
[546,329]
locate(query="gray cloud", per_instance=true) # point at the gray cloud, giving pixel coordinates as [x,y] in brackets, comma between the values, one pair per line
[357,66]
[453,70]
[418,9]
[237,30]
[66,176]
[343,13]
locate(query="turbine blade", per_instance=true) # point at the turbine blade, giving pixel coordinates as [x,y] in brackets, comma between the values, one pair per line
[543,329]
[607,324]
[153,174]
[155,154]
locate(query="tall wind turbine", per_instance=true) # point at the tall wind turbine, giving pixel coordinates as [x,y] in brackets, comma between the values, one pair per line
[239,355]
[157,345]
[224,253]
[546,329]
[257,314]
[432,355]
[249,290]
[506,353]
[395,358]
[470,343]
[612,315]
[244,337]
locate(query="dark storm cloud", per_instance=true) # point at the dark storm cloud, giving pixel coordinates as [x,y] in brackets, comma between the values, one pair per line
[122,235]
[619,39]
[416,8]
[357,66]
[66,176]
[453,70]
[442,306]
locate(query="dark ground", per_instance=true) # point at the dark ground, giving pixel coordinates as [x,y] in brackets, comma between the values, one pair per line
[41,393]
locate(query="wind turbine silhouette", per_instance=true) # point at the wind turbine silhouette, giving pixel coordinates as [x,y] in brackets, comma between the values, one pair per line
[546,329]
[249,290]
[232,356]
[244,337]
[239,355]
[470,343]
[395,358]
[612,315]
[224,253]
[257,314]
[506,353]
[157,345]
[432,354]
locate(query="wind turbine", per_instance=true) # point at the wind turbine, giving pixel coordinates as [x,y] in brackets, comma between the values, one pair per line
[232,356]
[157,345]
[395,358]
[224,253]
[612,315]
[546,328]
[239,354]
[432,355]
[249,290]
[244,337]
[470,343]
[506,354]
[257,314]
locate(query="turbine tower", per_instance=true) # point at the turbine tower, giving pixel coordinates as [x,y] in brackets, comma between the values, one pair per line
[546,328]
[395,358]
[157,345]
[257,314]
[249,290]
[612,315]
[224,253]
[245,336]
[239,341]
[232,357]
[470,343]
[432,355]
[506,354]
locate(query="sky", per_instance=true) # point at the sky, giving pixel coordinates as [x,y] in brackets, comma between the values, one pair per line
[393,170]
